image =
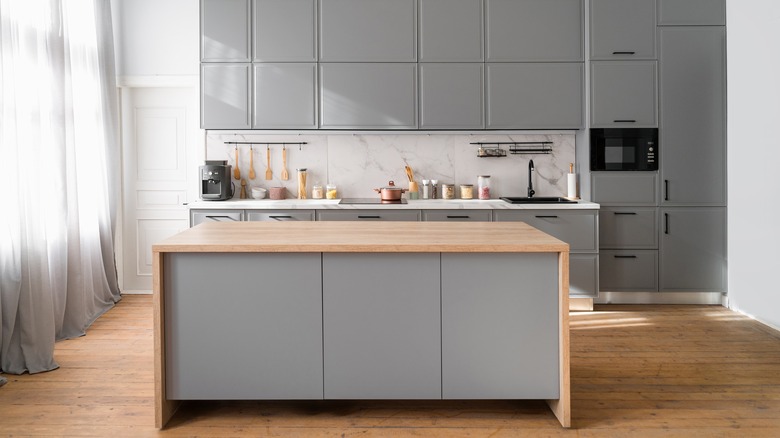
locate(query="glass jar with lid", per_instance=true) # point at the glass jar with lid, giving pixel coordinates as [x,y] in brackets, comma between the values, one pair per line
[467,191]
[448,191]
[483,186]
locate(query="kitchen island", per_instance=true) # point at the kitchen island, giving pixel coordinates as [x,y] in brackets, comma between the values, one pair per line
[346,310]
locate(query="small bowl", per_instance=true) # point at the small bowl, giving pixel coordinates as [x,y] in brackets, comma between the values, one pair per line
[278,192]
[258,192]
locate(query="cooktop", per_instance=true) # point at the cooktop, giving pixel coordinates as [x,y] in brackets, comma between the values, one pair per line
[369,201]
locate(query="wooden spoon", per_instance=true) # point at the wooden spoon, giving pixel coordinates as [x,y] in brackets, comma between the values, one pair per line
[236,172]
[285,174]
[251,163]
[268,173]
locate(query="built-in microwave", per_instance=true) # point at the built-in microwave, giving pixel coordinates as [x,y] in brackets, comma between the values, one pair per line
[624,149]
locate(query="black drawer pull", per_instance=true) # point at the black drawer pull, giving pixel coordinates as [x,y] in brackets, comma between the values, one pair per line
[623,53]
[457,217]
[547,217]
[625,256]
[666,190]
[369,217]
[220,217]
[625,213]
[624,121]
[280,217]
[666,223]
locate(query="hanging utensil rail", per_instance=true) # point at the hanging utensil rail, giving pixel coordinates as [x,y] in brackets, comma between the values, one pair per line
[515,147]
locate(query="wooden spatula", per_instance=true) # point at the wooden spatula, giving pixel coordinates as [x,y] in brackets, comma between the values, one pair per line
[268,173]
[236,172]
[285,174]
[251,163]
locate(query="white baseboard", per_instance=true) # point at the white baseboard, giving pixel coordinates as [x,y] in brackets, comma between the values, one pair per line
[136,292]
[707,298]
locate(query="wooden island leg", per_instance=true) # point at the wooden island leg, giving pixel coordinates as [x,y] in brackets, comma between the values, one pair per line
[163,408]
[562,406]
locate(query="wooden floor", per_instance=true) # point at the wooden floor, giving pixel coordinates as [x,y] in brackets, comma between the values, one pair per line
[687,371]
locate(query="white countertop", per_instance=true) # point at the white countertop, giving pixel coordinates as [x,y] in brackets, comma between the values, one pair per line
[421,204]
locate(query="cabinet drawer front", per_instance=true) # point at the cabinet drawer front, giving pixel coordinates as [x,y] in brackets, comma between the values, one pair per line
[624,188]
[628,227]
[457,215]
[584,275]
[577,228]
[370,215]
[200,216]
[280,215]
[628,270]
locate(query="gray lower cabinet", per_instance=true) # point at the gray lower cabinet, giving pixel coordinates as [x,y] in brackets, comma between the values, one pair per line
[534,30]
[622,29]
[624,94]
[583,275]
[200,216]
[628,270]
[498,341]
[693,113]
[383,339]
[534,95]
[260,338]
[624,188]
[450,31]
[225,95]
[225,30]
[457,215]
[285,30]
[693,249]
[691,12]
[285,96]
[368,31]
[368,215]
[368,95]
[451,95]
[628,227]
[280,215]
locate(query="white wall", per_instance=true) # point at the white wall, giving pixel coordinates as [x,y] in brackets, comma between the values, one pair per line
[754,157]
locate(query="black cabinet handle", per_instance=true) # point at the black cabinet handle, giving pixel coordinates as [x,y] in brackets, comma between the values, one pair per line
[666,223]
[624,121]
[623,53]
[220,217]
[625,256]
[457,217]
[369,217]
[278,218]
[666,190]
[547,217]
[624,213]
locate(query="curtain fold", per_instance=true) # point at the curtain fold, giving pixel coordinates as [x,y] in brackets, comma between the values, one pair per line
[59,150]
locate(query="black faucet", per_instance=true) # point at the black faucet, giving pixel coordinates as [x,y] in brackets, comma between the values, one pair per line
[531,191]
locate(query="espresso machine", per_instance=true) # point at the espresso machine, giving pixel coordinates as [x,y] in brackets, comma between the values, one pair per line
[215,183]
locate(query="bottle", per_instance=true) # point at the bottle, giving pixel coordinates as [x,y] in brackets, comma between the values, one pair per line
[434,189]
[483,184]
[426,191]
[302,183]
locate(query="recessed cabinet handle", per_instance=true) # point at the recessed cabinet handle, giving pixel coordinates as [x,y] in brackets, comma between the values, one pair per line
[547,217]
[666,223]
[278,218]
[624,213]
[457,217]
[666,190]
[221,217]
[369,217]
[624,121]
[625,256]
[623,53]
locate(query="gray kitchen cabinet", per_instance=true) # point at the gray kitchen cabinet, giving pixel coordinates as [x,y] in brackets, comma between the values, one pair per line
[368,215]
[368,31]
[225,95]
[691,12]
[496,342]
[450,30]
[382,340]
[280,215]
[285,30]
[692,249]
[628,270]
[534,95]
[451,95]
[624,94]
[584,275]
[622,29]
[693,115]
[368,96]
[457,215]
[624,188]
[258,338]
[534,30]
[225,30]
[628,227]
[285,96]
[578,228]
[209,215]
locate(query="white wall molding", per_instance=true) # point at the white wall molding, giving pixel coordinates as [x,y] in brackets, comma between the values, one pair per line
[158,81]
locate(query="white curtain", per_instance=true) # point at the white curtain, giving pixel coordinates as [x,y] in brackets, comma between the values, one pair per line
[59,170]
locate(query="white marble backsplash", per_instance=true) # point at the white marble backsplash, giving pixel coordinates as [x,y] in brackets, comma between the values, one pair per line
[357,162]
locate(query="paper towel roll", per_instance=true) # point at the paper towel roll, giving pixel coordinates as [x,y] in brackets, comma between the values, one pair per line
[571,184]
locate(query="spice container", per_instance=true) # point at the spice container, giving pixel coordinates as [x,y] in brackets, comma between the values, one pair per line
[467,191]
[301,183]
[434,189]
[483,184]
[331,192]
[448,191]
[426,189]
[317,192]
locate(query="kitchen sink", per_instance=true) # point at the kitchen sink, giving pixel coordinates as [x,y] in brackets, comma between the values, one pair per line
[538,200]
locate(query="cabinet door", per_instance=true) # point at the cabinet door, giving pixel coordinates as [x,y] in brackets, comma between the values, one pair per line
[200,216]
[280,215]
[457,215]
[368,30]
[624,188]
[285,96]
[692,12]
[451,96]
[258,336]
[224,30]
[451,30]
[584,275]
[622,29]
[224,96]
[369,215]
[534,30]
[382,339]
[368,96]
[499,338]
[578,228]
[534,96]
[693,249]
[693,115]
[285,30]
[628,271]
[624,94]
[628,227]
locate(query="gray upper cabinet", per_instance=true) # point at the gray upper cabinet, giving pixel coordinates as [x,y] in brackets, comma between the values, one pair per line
[285,96]
[692,12]
[225,93]
[451,31]
[534,95]
[368,30]
[285,30]
[451,96]
[224,30]
[693,115]
[534,30]
[368,96]
[624,94]
[622,29]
